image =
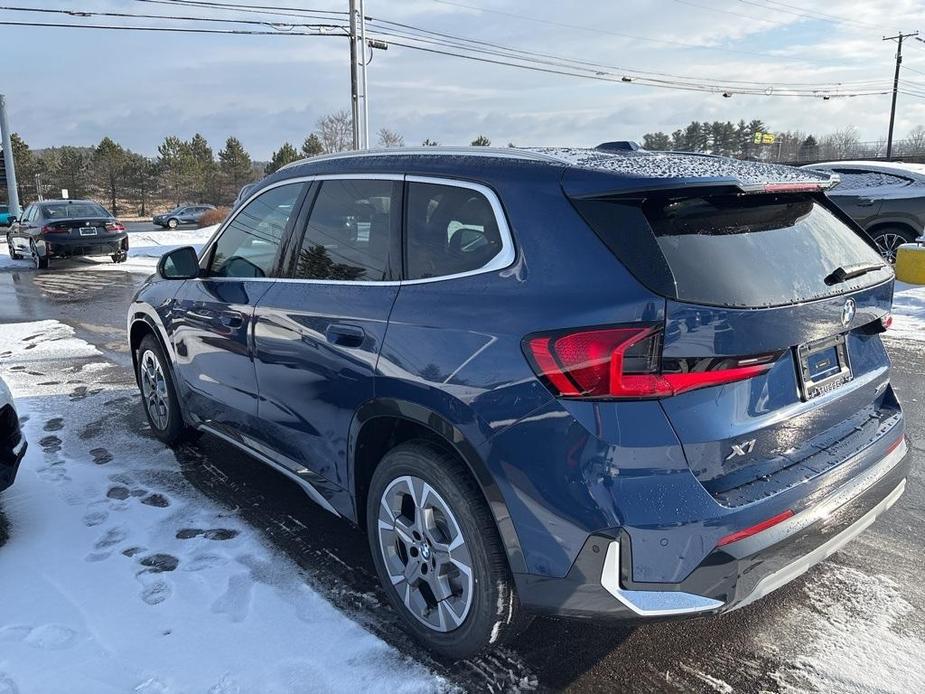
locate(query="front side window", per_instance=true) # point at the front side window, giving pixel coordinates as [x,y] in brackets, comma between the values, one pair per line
[450,230]
[352,232]
[247,247]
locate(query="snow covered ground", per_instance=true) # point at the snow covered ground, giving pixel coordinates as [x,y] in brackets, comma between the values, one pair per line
[145,248]
[119,576]
[908,312]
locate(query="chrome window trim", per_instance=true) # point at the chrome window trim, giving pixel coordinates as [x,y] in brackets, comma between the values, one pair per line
[491,152]
[501,261]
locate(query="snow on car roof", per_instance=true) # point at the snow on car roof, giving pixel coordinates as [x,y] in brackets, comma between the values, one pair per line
[682,165]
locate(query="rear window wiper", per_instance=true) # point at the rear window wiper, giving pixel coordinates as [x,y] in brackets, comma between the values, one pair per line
[843,273]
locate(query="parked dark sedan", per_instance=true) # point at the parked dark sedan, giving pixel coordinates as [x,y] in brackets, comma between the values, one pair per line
[12,442]
[66,228]
[185,214]
[886,198]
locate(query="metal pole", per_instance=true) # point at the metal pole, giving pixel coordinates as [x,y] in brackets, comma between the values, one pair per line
[365,131]
[899,61]
[8,162]
[354,105]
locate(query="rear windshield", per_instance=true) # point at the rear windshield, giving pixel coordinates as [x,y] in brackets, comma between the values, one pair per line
[72,210]
[742,251]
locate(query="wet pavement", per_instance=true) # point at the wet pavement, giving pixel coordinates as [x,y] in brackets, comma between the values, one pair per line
[782,643]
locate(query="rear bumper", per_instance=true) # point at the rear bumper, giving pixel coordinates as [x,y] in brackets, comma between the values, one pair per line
[599,584]
[90,245]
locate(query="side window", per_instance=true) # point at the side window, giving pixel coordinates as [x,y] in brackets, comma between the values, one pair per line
[352,232]
[248,245]
[450,229]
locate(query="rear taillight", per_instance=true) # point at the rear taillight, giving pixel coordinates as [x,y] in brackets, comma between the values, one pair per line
[755,529]
[114,226]
[886,322]
[49,229]
[626,362]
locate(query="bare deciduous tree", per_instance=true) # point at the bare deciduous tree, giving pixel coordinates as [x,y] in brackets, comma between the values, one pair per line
[335,131]
[390,138]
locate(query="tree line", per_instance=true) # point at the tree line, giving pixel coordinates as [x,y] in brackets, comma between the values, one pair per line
[738,140]
[184,171]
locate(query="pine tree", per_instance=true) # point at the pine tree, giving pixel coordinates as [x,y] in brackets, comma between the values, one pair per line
[109,161]
[312,146]
[202,169]
[481,141]
[235,167]
[175,165]
[284,155]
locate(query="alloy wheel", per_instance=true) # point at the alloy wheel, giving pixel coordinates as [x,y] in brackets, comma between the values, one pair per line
[425,553]
[888,244]
[154,390]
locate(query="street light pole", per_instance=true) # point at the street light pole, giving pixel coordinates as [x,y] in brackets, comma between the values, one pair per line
[899,61]
[354,96]
[8,162]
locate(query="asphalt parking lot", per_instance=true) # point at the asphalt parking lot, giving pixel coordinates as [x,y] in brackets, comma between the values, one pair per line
[807,636]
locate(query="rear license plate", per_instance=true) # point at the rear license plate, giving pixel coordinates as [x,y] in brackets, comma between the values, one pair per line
[88,231]
[823,366]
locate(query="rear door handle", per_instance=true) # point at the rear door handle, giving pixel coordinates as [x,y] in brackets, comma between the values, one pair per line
[866,202]
[345,335]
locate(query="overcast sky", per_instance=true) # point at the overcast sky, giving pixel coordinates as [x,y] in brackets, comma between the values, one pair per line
[75,86]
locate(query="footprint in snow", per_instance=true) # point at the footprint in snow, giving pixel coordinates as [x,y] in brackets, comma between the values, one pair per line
[101,456]
[132,551]
[56,474]
[54,424]
[8,686]
[94,518]
[50,444]
[236,600]
[160,563]
[218,534]
[203,562]
[156,500]
[156,592]
[51,637]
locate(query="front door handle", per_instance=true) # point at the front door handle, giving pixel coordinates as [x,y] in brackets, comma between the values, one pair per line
[232,319]
[345,335]
[866,202]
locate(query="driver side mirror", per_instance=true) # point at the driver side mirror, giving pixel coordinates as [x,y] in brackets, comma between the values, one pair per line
[179,264]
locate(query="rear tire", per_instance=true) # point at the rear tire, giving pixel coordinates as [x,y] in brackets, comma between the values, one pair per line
[40,261]
[14,254]
[119,257]
[889,239]
[449,548]
[158,393]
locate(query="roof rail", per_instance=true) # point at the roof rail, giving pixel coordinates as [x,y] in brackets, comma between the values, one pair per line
[496,152]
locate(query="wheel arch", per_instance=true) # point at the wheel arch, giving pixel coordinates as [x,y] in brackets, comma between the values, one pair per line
[382,424]
[901,224]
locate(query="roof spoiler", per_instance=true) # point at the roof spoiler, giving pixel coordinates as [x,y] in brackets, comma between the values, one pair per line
[635,188]
[619,146]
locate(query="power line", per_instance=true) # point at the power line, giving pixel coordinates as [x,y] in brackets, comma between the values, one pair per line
[771,5]
[599,30]
[274,9]
[729,12]
[124,15]
[180,30]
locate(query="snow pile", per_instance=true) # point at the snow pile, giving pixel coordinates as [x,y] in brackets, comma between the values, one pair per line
[908,312]
[119,576]
[856,640]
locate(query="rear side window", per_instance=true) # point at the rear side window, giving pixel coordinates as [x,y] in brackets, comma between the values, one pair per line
[450,230]
[353,232]
[737,251]
[856,179]
[247,247]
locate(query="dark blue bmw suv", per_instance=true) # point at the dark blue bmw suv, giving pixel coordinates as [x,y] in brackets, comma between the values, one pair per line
[586,383]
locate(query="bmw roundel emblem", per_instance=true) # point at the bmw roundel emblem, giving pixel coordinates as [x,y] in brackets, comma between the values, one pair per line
[848,311]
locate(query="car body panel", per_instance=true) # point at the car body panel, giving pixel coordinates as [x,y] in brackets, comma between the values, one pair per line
[13,443]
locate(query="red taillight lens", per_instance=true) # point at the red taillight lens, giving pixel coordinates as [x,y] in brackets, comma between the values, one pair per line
[114,226]
[887,321]
[755,529]
[49,229]
[625,362]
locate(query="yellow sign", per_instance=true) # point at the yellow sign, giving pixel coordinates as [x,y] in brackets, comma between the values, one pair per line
[764,138]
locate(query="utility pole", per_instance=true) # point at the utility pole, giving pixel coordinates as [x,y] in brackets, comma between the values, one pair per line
[899,61]
[358,82]
[12,192]
[354,79]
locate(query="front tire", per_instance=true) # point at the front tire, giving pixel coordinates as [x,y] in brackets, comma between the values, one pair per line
[437,552]
[172,223]
[158,392]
